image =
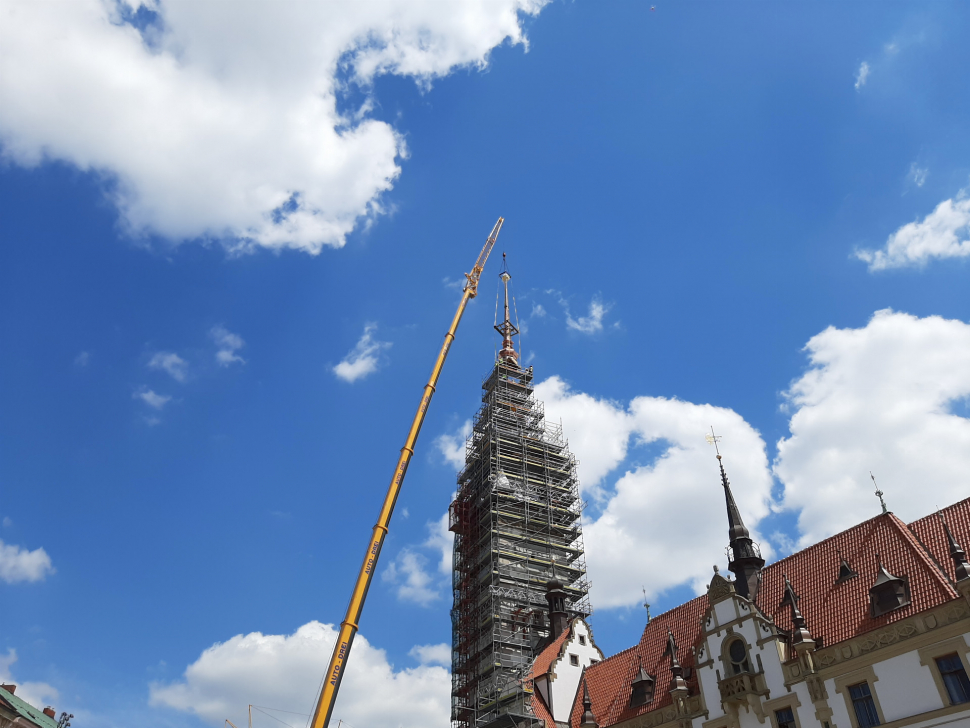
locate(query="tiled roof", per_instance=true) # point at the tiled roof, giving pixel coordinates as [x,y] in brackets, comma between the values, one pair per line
[28,711]
[540,666]
[929,531]
[839,611]
[834,611]
[609,681]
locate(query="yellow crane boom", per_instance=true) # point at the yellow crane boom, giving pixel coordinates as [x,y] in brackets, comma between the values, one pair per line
[349,627]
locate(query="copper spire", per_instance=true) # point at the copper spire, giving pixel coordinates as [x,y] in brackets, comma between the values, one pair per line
[956,553]
[507,329]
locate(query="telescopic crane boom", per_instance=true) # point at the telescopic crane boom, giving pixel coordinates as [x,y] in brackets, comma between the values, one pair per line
[349,627]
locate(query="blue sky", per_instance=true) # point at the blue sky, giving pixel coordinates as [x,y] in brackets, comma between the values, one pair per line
[690,193]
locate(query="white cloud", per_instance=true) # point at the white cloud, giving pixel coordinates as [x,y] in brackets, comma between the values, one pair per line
[409,574]
[452,447]
[861,76]
[152,399]
[363,358]
[171,363]
[82,359]
[938,235]
[18,564]
[592,323]
[228,344]
[284,671]
[918,174]
[653,505]
[443,541]
[432,654]
[222,122]
[38,694]
[878,398]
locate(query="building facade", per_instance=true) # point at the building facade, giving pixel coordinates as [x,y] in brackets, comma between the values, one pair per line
[518,550]
[870,627]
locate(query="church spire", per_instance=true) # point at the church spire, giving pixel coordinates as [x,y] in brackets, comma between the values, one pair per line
[746,561]
[507,329]
[956,553]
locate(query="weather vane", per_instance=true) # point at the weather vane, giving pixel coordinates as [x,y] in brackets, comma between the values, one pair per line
[646,604]
[713,439]
[879,493]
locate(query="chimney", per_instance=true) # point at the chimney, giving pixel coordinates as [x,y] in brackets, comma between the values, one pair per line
[9,688]
[49,712]
[558,617]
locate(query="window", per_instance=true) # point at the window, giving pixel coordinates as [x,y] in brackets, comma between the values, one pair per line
[582,639]
[865,708]
[574,660]
[954,678]
[785,718]
[593,662]
[738,655]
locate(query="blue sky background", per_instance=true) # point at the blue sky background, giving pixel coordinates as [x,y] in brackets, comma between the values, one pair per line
[705,169]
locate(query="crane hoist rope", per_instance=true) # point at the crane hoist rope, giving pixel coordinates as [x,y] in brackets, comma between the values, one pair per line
[349,627]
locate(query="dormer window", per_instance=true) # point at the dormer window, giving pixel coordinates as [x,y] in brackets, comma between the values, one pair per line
[641,690]
[888,592]
[737,653]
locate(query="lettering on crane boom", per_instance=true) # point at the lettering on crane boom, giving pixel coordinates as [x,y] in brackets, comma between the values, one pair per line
[375,547]
[336,668]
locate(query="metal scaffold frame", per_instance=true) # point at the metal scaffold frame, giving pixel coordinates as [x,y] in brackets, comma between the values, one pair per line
[517,525]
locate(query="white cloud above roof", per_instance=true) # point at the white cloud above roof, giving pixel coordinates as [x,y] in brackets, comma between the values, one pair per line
[363,359]
[640,529]
[284,671]
[944,233]
[885,398]
[225,123]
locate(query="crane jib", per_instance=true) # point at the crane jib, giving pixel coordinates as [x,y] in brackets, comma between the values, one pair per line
[348,628]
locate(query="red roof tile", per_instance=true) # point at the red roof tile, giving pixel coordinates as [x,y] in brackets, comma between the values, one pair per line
[839,611]
[541,665]
[930,532]
[833,611]
[609,681]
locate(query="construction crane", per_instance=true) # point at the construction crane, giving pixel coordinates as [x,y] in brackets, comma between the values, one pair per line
[349,627]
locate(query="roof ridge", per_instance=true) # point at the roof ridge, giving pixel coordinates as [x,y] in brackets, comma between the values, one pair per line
[793,554]
[922,553]
[929,516]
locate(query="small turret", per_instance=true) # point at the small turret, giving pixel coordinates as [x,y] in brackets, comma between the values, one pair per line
[558,616]
[958,555]
[746,561]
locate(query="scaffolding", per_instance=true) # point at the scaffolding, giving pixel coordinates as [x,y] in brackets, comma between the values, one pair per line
[516,520]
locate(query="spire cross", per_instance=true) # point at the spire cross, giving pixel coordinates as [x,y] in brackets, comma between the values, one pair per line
[713,439]
[879,493]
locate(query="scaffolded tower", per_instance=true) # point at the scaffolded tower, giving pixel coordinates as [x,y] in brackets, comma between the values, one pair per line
[516,521]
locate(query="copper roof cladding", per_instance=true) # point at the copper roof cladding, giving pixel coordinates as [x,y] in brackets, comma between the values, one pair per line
[839,611]
[929,531]
[609,681]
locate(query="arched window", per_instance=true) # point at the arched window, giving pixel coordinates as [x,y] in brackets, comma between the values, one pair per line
[737,654]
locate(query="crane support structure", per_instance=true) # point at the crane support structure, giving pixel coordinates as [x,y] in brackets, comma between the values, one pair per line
[349,627]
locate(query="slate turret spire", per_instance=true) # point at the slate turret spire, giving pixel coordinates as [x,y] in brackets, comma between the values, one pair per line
[746,561]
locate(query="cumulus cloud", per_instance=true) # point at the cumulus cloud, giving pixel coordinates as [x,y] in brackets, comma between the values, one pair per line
[944,233]
[35,693]
[408,572]
[227,344]
[18,564]
[170,363]
[432,654]
[879,398]
[861,76]
[452,446]
[593,322]
[236,124]
[284,671]
[152,399]
[653,505]
[363,358]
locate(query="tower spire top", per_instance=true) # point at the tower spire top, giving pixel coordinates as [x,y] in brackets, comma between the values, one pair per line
[879,493]
[746,561]
[507,329]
